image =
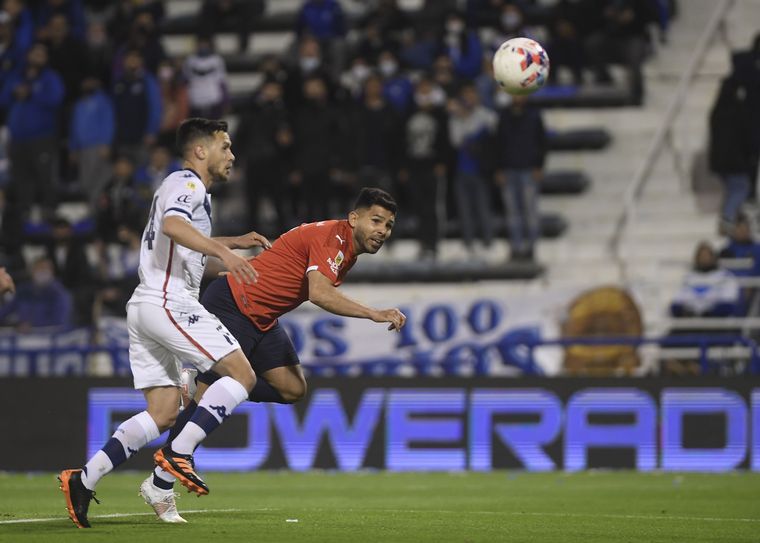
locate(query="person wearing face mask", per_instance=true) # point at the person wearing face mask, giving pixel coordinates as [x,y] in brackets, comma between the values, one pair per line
[206,76]
[91,133]
[462,46]
[33,98]
[308,64]
[352,80]
[398,90]
[174,101]
[42,302]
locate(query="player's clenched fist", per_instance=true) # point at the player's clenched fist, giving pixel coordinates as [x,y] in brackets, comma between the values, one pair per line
[393,316]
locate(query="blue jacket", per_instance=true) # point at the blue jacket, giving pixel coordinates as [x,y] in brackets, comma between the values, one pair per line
[137,104]
[92,122]
[74,13]
[37,116]
[467,59]
[49,305]
[322,19]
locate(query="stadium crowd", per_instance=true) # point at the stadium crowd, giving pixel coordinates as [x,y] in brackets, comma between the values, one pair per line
[382,96]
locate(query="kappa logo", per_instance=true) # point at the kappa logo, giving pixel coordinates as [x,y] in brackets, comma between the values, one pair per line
[192,319]
[221,411]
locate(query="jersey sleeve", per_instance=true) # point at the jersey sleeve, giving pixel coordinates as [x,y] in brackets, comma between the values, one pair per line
[182,198]
[325,252]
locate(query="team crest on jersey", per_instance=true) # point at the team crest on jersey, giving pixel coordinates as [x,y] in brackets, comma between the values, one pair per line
[335,264]
[190,185]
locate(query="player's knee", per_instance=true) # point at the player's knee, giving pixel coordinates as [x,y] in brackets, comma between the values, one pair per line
[294,391]
[165,419]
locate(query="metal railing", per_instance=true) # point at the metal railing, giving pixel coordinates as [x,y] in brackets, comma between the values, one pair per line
[664,137]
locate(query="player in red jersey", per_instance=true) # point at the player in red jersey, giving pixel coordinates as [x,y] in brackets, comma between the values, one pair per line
[306,263]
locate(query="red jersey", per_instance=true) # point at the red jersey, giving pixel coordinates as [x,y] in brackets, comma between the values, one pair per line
[325,246]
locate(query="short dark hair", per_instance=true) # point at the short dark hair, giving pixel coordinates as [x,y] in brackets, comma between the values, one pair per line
[370,196]
[196,128]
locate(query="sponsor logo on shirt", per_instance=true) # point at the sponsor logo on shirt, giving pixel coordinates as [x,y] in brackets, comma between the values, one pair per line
[335,264]
[184,198]
[190,185]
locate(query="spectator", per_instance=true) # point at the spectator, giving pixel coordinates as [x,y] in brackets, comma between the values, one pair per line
[11,233]
[41,302]
[22,25]
[462,46]
[444,76]
[352,80]
[11,55]
[99,53]
[320,142]
[707,291]
[323,20]
[160,164]
[264,143]
[126,12]
[117,267]
[372,42]
[137,105]
[730,148]
[6,282]
[622,38]
[397,88]
[206,77]
[747,72]
[122,201]
[71,10]
[521,152]
[34,97]
[72,268]
[471,127]
[426,150]
[742,245]
[66,53]
[418,48]
[308,64]
[230,15]
[90,137]
[174,101]
[144,37]
[565,44]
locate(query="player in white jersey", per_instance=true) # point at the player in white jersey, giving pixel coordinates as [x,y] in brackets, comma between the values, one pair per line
[167,325]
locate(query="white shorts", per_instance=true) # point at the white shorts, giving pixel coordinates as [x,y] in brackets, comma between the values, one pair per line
[160,340]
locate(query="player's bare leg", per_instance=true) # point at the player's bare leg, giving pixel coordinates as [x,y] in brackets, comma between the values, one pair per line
[288,381]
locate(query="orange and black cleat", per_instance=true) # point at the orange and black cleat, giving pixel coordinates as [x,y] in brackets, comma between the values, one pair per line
[182,467]
[77,496]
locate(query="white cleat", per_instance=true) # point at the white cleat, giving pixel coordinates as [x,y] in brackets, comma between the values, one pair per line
[162,501]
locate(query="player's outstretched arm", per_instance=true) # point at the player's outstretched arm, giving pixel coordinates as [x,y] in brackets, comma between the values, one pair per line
[246,241]
[183,233]
[325,295]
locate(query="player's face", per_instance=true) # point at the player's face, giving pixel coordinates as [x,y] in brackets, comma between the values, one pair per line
[371,228]
[220,158]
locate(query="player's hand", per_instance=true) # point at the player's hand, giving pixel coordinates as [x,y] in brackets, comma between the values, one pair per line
[393,316]
[252,239]
[6,282]
[240,268]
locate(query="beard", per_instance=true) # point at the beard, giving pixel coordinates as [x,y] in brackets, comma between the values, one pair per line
[219,173]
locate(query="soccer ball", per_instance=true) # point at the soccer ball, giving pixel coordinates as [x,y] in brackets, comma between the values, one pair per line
[520,66]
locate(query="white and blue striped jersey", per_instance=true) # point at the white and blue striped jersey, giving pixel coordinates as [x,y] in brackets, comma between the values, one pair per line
[170,274]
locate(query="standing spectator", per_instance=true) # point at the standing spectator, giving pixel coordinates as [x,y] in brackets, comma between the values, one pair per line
[444,76]
[565,44]
[144,37]
[471,128]
[22,26]
[230,15]
[206,77]
[521,153]
[90,137]
[122,201]
[352,80]
[462,46]
[174,101]
[99,53]
[34,97]
[160,164]
[730,149]
[137,104]
[66,53]
[11,233]
[426,150]
[323,19]
[742,245]
[117,270]
[11,54]
[309,63]
[71,10]
[264,142]
[41,302]
[397,88]
[72,268]
[747,72]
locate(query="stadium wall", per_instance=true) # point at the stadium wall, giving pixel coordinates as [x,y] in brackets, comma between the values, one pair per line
[447,424]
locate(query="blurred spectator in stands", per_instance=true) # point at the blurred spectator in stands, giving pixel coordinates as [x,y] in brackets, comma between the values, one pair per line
[160,164]
[11,233]
[122,201]
[424,159]
[117,270]
[462,45]
[33,98]
[418,48]
[623,38]
[206,76]
[352,80]
[309,63]
[491,94]
[71,10]
[231,16]
[730,148]
[398,89]
[91,134]
[376,137]
[521,153]
[747,72]
[6,282]
[22,25]
[175,103]
[137,104]
[264,144]
[471,129]
[444,76]
[372,41]
[320,142]
[272,69]
[741,244]
[144,36]
[72,268]
[324,20]
[100,53]
[567,27]
[66,52]
[41,302]
[126,12]
[12,53]
[389,17]
[511,24]
[707,291]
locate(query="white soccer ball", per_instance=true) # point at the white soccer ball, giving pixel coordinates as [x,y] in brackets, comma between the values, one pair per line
[520,66]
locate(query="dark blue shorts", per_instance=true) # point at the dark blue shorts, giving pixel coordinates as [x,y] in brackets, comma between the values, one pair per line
[265,350]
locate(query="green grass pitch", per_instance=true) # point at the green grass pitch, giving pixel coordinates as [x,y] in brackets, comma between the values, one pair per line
[399,507]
